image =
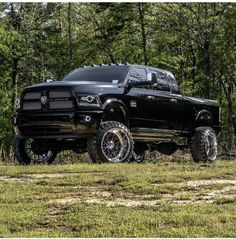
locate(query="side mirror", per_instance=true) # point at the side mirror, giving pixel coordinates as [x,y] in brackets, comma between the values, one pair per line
[49,80]
[152,78]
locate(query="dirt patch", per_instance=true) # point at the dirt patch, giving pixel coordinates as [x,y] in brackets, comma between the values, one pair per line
[191,192]
[13,179]
[50,175]
[30,177]
[202,194]
[98,195]
[103,200]
[198,183]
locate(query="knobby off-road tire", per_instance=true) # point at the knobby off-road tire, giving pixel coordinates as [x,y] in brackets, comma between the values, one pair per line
[113,143]
[92,149]
[25,155]
[203,145]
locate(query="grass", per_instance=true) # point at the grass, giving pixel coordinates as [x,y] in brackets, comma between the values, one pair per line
[162,199]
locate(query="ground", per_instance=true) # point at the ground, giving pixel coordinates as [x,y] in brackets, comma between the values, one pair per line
[162,199]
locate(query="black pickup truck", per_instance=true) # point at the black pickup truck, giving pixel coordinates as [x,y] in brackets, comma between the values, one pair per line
[114,112]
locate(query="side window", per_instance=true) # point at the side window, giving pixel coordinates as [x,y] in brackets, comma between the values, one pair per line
[173,84]
[162,82]
[138,74]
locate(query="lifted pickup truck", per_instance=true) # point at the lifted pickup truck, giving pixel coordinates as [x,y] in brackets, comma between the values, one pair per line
[114,112]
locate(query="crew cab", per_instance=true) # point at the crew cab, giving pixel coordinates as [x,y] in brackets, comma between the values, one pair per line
[115,112]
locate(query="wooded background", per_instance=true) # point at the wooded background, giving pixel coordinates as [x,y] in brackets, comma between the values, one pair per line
[195,41]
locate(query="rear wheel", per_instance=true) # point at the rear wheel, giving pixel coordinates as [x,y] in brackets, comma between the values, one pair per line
[139,152]
[203,145]
[28,150]
[113,143]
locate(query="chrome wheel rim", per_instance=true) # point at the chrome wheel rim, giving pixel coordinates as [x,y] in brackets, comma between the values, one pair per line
[115,145]
[211,145]
[36,158]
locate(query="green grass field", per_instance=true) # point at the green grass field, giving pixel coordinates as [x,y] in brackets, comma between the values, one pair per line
[163,199]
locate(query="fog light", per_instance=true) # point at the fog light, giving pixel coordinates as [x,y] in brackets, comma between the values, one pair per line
[17,103]
[87,118]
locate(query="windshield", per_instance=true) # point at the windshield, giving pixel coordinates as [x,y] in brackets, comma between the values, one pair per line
[109,74]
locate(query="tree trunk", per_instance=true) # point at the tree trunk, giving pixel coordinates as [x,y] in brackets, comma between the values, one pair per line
[14,78]
[193,71]
[206,62]
[15,60]
[28,79]
[234,123]
[230,116]
[143,31]
[70,56]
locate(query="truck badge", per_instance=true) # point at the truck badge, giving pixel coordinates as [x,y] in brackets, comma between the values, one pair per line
[44,100]
[133,104]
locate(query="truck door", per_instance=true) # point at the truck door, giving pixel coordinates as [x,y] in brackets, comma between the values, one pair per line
[169,105]
[140,101]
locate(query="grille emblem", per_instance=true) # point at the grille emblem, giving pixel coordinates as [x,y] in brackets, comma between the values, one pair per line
[44,100]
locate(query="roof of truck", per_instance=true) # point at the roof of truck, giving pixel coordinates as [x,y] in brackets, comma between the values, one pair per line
[127,64]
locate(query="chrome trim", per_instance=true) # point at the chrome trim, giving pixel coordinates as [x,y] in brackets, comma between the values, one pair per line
[150,134]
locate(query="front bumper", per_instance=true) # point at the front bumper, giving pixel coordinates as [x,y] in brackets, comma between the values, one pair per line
[77,124]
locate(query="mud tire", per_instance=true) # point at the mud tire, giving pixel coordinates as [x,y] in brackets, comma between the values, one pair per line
[22,157]
[96,144]
[203,145]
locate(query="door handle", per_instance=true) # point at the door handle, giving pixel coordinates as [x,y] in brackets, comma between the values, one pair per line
[149,97]
[173,100]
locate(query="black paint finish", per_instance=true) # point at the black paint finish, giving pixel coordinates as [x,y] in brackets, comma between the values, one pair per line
[144,106]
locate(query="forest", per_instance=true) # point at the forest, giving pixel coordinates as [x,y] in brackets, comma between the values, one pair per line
[195,41]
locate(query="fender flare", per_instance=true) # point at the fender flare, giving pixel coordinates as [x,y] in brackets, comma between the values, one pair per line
[116,102]
[204,115]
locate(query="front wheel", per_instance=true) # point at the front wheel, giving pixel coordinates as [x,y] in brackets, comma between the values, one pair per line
[113,143]
[28,150]
[203,145]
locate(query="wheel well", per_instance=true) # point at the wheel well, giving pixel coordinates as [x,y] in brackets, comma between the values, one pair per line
[115,112]
[204,118]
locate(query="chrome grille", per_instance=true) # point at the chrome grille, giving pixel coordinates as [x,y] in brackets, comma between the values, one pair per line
[59,94]
[32,106]
[32,95]
[61,104]
[56,100]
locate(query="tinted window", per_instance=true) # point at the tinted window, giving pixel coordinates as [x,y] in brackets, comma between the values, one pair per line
[173,84]
[162,82]
[138,74]
[111,74]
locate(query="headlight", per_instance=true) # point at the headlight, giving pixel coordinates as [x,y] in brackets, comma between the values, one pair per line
[17,103]
[89,100]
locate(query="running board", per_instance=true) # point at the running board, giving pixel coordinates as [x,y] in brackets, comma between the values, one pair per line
[152,135]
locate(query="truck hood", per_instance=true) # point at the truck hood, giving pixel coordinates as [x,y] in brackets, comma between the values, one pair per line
[200,101]
[82,87]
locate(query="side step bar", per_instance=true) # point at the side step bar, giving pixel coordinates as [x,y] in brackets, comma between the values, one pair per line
[152,135]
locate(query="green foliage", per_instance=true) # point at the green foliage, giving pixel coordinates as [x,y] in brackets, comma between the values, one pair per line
[196,41]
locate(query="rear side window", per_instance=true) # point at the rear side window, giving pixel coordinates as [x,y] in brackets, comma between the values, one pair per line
[173,84]
[138,74]
[162,82]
